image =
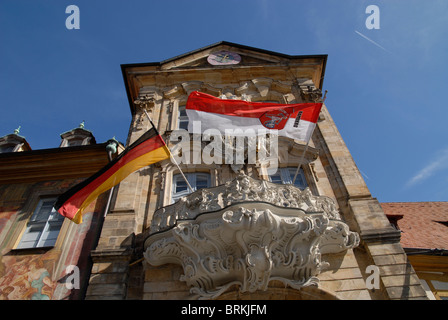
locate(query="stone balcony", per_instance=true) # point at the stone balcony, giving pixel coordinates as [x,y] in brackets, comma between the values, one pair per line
[247,232]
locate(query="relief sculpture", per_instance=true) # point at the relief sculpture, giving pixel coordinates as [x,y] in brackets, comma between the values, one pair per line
[253,233]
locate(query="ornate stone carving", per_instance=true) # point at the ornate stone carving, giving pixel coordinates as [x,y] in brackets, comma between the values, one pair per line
[263,85]
[247,232]
[241,189]
[190,86]
[173,92]
[147,102]
[247,88]
[308,90]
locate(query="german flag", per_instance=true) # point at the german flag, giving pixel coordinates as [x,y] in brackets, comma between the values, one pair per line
[148,149]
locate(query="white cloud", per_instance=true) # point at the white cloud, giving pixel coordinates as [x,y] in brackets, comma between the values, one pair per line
[441,162]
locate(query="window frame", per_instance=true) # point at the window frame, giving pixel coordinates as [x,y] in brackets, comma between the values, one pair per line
[192,180]
[53,220]
[74,142]
[6,148]
[182,119]
[286,175]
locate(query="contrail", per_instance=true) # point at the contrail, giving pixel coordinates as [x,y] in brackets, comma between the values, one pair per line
[440,162]
[379,46]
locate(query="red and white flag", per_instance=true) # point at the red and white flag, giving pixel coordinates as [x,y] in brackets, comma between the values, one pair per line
[296,121]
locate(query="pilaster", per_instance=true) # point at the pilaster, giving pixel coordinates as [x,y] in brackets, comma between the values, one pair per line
[111,258]
[364,214]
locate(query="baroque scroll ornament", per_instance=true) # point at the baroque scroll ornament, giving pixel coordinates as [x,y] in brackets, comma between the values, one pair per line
[249,243]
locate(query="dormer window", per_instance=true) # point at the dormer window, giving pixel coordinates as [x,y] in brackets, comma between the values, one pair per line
[7,148]
[14,143]
[77,137]
[74,142]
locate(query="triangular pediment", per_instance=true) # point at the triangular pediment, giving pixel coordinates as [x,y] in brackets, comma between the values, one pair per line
[242,65]
[223,54]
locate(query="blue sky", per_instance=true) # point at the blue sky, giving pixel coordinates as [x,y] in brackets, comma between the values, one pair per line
[385,86]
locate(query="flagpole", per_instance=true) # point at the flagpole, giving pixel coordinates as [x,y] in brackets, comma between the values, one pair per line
[111,191]
[307,144]
[301,159]
[171,155]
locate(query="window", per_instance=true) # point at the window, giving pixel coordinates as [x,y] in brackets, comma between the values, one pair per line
[182,120]
[43,228]
[286,176]
[7,148]
[197,180]
[74,142]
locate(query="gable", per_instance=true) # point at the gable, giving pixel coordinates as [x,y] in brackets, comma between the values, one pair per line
[254,65]
[202,58]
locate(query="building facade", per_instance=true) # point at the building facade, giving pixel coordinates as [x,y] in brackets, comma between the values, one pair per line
[243,230]
[40,251]
[424,237]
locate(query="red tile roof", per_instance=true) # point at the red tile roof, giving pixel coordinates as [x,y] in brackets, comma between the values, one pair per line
[424,224]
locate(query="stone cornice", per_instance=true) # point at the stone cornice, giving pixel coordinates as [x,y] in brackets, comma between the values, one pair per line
[52,164]
[190,67]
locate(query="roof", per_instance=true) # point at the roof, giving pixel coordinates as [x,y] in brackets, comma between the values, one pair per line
[423,224]
[227,43]
[52,164]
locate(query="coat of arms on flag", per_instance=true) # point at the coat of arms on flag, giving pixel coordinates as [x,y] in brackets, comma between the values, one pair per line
[275,119]
[295,121]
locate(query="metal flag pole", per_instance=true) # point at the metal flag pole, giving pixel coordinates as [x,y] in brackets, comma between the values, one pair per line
[301,159]
[111,149]
[306,147]
[171,155]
